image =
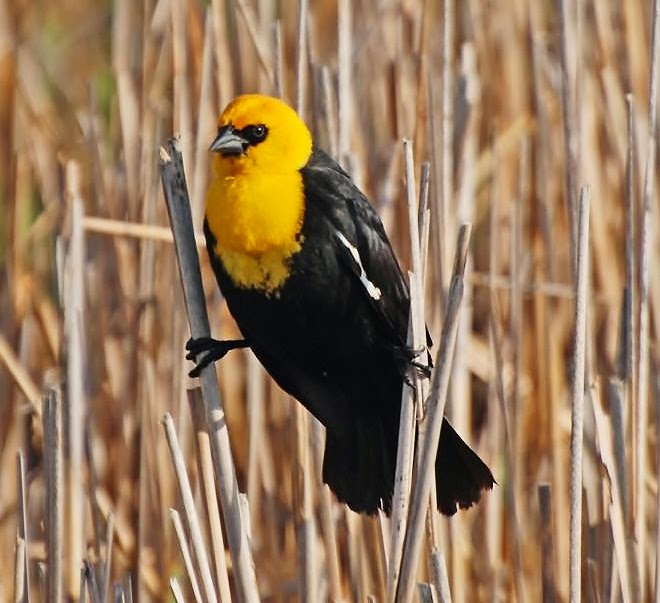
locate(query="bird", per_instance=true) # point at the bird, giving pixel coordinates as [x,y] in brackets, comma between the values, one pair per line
[310,277]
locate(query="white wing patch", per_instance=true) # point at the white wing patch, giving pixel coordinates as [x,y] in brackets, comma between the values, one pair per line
[372,290]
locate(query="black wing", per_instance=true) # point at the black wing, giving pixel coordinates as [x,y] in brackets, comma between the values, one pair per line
[330,188]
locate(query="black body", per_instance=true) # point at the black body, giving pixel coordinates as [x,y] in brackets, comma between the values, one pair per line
[340,352]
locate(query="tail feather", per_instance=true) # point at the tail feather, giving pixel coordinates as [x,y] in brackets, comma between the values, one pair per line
[359,467]
[461,476]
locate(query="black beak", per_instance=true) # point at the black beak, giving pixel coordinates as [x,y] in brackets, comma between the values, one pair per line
[228,143]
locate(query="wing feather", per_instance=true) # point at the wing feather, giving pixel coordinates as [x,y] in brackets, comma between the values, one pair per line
[352,216]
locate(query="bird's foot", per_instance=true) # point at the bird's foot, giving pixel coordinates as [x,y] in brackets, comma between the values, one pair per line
[423,370]
[409,363]
[213,349]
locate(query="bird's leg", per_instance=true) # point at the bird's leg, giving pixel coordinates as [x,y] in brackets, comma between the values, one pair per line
[214,348]
[408,358]
[423,368]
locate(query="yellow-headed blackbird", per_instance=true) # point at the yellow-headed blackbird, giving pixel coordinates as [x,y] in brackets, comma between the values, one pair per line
[313,283]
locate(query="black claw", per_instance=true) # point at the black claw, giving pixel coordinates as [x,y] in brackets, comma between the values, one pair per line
[424,370]
[408,357]
[214,348]
[201,344]
[197,371]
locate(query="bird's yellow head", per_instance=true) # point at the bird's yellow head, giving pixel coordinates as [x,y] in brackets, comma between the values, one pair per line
[255,203]
[262,133]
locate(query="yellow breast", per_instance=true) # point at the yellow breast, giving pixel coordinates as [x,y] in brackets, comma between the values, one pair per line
[256,219]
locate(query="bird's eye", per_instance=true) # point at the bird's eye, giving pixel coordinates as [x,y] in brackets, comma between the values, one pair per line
[255,134]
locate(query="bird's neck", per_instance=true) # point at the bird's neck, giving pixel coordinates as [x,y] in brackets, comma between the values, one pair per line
[256,219]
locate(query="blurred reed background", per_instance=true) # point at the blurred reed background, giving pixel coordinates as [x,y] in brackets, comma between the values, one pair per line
[515,105]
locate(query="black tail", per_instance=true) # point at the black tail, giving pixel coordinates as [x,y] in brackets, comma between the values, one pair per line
[359,467]
[460,474]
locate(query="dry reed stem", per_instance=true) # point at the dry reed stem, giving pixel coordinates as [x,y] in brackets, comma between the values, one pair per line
[177,591]
[205,471]
[516,417]
[424,218]
[75,406]
[17,371]
[174,186]
[621,505]
[516,309]
[622,551]
[407,426]
[657,535]
[435,414]
[308,587]
[330,111]
[86,590]
[445,219]
[461,413]
[185,554]
[616,397]
[53,431]
[402,484]
[417,313]
[641,398]
[631,342]
[249,20]
[192,518]
[278,52]
[438,567]
[127,96]
[440,577]
[502,282]
[569,124]
[20,574]
[305,517]
[414,235]
[121,228]
[146,579]
[327,523]
[21,527]
[107,573]
[494,508]
[421,228]
[88,578]
[547,544]
[205,123]
[93,489]
[577,405]
[509,456]
[427,593]
[128,591]
[301,56]
[182,111]
[345,78]
[255,395]
[630,297]
[645,244]
[593,594]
